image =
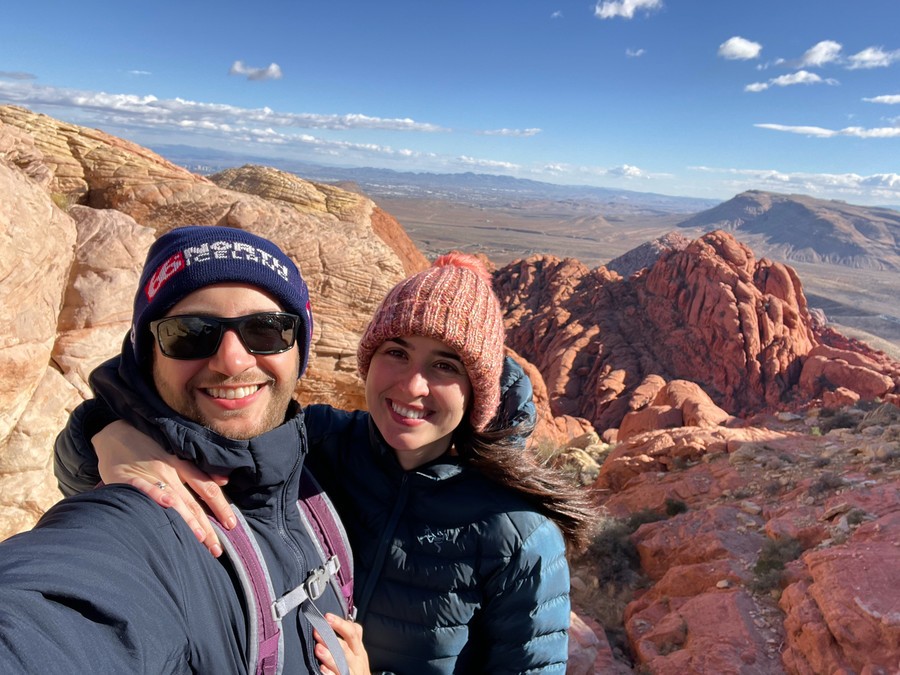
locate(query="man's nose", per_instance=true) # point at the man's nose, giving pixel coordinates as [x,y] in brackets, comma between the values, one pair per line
[232,358]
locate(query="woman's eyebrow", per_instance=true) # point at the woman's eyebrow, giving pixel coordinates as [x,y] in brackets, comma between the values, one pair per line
[441,353]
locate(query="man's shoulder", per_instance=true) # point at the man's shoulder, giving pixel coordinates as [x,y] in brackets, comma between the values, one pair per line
[109,515]
[324,420]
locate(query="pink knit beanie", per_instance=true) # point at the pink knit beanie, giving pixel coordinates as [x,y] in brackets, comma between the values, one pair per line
[453,302]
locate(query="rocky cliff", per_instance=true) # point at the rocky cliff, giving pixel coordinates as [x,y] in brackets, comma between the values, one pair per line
[749,465]
[749,478]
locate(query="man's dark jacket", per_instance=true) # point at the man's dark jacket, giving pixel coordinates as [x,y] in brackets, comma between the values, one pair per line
[108,582]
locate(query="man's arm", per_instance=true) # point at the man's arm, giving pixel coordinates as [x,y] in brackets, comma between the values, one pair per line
[74,460]
[93,588]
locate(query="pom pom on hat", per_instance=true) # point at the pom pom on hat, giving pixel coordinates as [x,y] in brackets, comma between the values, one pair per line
[452,301]
[186,259]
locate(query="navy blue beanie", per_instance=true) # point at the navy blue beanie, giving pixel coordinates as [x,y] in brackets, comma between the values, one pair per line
[188,258]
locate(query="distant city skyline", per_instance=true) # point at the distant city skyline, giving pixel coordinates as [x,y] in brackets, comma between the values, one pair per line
[694,99]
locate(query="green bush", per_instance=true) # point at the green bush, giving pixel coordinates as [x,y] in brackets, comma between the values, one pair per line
[769,568]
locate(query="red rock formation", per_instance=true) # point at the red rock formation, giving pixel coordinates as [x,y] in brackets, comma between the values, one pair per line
[709,313]
[845,615]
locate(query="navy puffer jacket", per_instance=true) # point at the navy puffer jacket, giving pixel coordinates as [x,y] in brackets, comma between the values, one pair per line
[454,573]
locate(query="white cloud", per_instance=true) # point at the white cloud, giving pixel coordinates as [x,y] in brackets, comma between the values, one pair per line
[556,15]
[16,75]
[883,186]
[487,164]
[523,133]
[873,57]
[821,132]
[139,73]
[627,171]
[149,111]
[826,51]
[634,53]
[270,72]
[890,99]
[738,48]
[800,77]
[610,9]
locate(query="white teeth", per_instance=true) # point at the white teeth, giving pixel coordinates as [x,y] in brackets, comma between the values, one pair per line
[407,412]
[232,393]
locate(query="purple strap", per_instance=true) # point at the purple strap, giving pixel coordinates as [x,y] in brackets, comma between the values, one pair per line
[320,514]
[267,627]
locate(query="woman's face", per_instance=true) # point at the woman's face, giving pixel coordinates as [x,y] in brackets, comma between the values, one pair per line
[418,392]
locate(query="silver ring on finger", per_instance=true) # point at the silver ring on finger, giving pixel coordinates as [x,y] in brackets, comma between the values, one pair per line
[161,485]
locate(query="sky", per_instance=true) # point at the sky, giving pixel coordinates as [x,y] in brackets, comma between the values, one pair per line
[697,98]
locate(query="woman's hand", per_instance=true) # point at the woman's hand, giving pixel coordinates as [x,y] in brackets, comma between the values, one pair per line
[350,636]
[125,455]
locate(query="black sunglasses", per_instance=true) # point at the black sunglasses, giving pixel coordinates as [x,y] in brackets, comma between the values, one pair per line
[191,336]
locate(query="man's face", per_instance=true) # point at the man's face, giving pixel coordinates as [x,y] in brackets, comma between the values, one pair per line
[233,392]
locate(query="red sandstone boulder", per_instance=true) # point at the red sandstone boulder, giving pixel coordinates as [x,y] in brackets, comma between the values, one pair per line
[845,617]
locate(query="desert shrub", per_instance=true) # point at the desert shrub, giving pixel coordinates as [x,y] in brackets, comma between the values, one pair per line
[856,516]
[841,419]
[821,462]
[772,488]
[62,201]
[825,483]
[675,506]
[769,568]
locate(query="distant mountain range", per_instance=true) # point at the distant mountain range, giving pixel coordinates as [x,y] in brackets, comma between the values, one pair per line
[788,227]
[472,188]
[804,229]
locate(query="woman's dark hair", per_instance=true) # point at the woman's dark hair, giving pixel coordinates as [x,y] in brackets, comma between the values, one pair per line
[503,457]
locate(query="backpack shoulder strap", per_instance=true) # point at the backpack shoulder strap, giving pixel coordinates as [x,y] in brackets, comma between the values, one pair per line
[265,611]
[321,520]
[265,641]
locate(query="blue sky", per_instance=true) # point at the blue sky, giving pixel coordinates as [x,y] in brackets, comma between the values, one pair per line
[702,98]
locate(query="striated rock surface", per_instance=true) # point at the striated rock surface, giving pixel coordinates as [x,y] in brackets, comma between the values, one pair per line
[709,313]
[766,549]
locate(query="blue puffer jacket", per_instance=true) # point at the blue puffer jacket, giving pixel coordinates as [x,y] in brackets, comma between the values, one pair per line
[454,573]
[110,583]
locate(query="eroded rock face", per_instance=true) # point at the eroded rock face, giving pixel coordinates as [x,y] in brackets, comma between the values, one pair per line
[37,241]
[730,501]
[708,313]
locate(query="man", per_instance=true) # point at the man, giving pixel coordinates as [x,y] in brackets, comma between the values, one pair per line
[107,582]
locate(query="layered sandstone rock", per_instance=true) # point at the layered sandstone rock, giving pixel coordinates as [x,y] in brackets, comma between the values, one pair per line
[708,313]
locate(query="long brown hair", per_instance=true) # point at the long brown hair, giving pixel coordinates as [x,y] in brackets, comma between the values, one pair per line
[502,456]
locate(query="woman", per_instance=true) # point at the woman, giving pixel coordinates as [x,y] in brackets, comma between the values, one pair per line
[459,536]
